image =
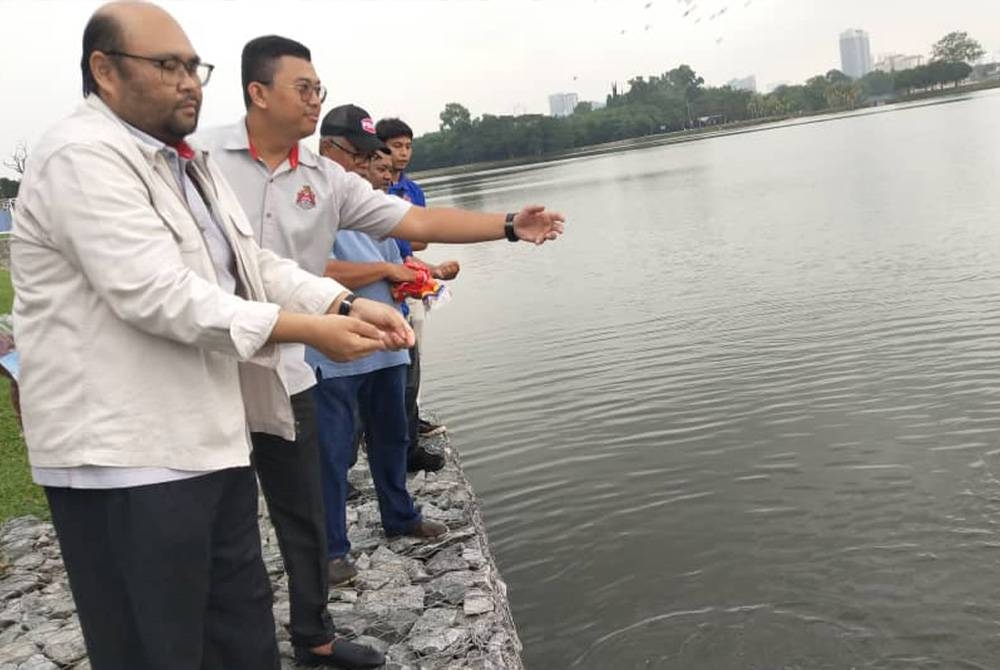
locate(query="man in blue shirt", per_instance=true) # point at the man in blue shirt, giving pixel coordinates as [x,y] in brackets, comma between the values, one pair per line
[398,137]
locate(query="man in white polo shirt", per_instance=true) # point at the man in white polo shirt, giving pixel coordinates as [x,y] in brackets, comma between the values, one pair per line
[296,201]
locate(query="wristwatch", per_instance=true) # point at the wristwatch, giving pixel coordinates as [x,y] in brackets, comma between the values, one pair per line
[344,308]
[508,228]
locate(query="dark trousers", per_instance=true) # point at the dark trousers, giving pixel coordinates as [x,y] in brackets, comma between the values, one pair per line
[377,397]
[412,410]
[290,478]
[169,576]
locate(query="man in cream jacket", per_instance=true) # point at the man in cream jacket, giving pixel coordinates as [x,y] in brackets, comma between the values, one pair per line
[147,319]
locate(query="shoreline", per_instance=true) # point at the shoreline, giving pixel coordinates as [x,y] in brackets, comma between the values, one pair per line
[427,606]
[434,176]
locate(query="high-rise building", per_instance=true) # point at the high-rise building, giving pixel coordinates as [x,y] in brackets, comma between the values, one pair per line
[897,62]
[744,84]
[855,53]
[562,104]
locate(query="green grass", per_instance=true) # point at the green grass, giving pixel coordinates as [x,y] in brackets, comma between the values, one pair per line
[18,494]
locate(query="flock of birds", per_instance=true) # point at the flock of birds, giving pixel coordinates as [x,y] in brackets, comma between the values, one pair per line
[694,11]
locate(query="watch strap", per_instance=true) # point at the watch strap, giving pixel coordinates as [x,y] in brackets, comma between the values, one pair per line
[508,228]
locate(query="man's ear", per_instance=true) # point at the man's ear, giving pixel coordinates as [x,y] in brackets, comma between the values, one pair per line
[102,70]
[258,95]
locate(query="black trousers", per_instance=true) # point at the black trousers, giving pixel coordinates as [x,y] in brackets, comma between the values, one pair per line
[412,410]
[169,576]
[289,474]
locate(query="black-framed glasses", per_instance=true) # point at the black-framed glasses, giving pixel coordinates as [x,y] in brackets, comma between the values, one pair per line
[307,91]
[358,156]
[172,69]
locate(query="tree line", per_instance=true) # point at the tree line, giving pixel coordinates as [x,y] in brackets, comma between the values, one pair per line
[674,101]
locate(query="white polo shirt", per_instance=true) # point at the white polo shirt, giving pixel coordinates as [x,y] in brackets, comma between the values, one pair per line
[296,211]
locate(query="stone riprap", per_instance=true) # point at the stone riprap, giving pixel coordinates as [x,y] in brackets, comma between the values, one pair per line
[428,606]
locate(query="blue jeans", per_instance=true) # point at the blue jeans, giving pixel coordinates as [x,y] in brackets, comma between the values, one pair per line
[377,398]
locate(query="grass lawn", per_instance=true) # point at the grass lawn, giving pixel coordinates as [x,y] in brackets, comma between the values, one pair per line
[18,495]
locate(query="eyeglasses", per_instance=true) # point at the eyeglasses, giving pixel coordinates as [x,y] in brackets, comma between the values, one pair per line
[307,91]
[358,156]
[172,69]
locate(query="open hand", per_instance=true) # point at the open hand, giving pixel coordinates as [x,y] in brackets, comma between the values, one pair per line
[534,224]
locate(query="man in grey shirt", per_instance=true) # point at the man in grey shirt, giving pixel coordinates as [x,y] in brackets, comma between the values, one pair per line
[296,201]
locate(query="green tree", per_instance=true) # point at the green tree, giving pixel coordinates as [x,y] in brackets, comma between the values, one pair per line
[958,47]
[455,117]
[583,107]
[877,83]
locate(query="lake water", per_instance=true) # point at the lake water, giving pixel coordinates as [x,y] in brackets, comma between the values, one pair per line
[746,412]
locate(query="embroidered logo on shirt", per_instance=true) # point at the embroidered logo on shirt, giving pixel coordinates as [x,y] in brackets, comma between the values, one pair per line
[306,198]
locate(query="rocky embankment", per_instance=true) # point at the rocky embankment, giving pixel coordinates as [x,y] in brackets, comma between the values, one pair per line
[439,606]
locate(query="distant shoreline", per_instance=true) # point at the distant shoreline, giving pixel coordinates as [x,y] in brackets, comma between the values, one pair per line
[924,99]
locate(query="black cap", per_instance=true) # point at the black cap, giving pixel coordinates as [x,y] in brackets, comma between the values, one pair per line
[355,124]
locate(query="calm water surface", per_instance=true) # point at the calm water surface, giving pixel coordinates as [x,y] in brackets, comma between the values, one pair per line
[746,413]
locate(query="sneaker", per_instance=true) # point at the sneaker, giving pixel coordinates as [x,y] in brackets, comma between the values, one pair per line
[423,459]
[427,530]
[344,654]
[428,428]
[342,571]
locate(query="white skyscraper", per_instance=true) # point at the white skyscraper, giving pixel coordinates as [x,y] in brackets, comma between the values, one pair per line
[562,104]
[855,53]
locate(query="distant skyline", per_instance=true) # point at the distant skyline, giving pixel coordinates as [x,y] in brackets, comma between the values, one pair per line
[409,58]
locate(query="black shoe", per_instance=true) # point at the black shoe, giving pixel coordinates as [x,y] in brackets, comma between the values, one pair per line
[341,571]
[422,459]
[346,655]
[428,428]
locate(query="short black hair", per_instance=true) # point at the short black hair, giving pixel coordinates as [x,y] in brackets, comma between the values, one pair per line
[386,129]
[102,33]
[259,56]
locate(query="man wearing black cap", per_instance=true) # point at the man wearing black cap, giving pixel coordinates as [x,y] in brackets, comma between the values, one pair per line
[347,137]
[374,389]
[295,202]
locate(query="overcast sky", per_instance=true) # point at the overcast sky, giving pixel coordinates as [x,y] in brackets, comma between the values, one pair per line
[409,58]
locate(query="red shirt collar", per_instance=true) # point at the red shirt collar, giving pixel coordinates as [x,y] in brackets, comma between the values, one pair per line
[184,150]
[293,155]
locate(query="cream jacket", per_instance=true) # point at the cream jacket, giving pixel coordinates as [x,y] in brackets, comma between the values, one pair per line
[131,354]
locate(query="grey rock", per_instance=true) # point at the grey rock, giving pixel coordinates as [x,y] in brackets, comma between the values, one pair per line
[18,652]
[393,627]
[474,557]
[370,580]
[433,633]
[66,646]
[10,634]
[381,603]
[18,548]
[452,586]
[449,560]
[17,584]
[38,662]
[477,602]
[82,665]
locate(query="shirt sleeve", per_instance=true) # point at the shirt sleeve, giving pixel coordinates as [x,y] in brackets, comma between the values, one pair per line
[364,209]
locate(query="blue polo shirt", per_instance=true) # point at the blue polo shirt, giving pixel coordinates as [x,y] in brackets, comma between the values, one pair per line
[358,247]
[408,190]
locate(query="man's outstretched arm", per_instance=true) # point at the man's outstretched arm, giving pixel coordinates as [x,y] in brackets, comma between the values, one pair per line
[442,224]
